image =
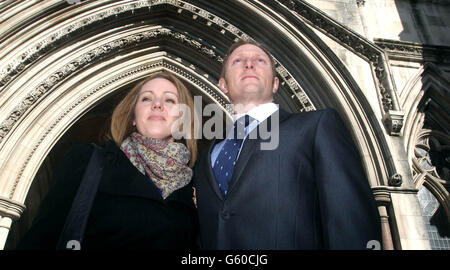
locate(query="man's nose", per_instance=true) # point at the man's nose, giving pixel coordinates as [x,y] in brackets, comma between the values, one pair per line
[249,63]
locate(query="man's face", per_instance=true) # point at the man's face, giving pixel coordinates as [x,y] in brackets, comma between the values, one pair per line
[248,78]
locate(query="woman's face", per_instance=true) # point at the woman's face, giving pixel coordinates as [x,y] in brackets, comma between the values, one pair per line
[155,110]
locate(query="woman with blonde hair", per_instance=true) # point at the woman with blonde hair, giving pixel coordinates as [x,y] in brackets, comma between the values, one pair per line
[143,198]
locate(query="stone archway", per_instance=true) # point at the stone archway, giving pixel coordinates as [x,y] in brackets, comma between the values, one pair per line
[67,58]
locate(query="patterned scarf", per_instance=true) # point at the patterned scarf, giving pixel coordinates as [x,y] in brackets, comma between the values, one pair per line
[164,162]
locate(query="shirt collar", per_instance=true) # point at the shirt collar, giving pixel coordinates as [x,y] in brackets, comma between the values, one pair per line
[260,112]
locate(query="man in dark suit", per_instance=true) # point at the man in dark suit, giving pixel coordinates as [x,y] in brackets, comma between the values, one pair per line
[308,192]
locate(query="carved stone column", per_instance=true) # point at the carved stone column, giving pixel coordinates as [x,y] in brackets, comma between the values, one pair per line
[9,211]
[5,225]
[385,229]
[383,199]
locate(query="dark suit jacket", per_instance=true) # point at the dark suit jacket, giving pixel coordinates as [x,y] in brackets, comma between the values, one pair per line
[309,193]
[128,211]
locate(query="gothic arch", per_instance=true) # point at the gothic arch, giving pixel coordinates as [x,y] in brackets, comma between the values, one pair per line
[62,60]
[428,85]
[426,124]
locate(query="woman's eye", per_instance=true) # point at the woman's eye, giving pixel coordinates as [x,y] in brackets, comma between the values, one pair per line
[261,60]
[170,101]
[146,99]
[237,60]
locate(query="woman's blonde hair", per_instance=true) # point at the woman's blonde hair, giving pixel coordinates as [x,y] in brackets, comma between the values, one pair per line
[123,115]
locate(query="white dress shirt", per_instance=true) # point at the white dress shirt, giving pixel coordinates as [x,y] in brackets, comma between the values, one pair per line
[260,113]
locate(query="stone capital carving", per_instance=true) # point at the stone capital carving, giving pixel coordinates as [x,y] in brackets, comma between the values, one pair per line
[382,195]
[10,208]
[393,120]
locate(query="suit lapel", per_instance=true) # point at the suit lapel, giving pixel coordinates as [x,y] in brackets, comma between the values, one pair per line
[250,146]
[247,151]
[209,171]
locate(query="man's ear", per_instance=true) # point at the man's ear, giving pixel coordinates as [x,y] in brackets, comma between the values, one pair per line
[223,85]
[276,82]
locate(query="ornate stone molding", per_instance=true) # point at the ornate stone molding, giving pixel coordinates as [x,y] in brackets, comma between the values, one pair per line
[194,79]
[91,57]
[287,78]
[313,16]
[343,35]
[381,192]
[361,47]
[382,195]
[416,52]
[123,43]
[114,46]
[43,46]
[11,209]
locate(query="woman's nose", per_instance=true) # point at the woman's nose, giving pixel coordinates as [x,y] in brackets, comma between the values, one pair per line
[157,104]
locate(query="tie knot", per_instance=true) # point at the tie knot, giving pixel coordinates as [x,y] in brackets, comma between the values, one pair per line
[243,120]
[240,124]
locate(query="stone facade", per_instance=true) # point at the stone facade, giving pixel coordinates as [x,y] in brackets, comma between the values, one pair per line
[383,65]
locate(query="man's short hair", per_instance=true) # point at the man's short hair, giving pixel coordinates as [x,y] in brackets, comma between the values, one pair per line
[240,43]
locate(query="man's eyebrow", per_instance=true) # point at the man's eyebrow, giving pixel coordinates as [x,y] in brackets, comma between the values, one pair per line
[256,54]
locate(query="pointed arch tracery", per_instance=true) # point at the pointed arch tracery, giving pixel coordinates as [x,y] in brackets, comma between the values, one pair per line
[428,149]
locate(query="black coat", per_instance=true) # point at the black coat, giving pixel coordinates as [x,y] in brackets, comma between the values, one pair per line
[128,211]
[311,192]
